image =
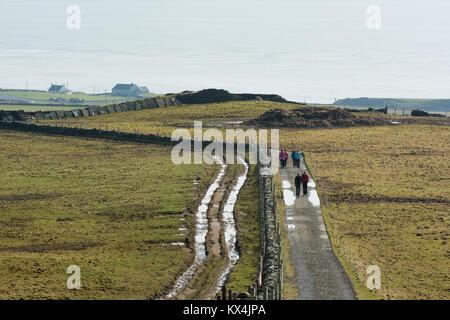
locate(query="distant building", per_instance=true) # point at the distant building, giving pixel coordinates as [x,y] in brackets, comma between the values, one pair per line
[128,90]
[56,88]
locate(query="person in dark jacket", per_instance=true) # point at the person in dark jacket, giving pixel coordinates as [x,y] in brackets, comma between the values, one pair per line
[298,185]
[305,180]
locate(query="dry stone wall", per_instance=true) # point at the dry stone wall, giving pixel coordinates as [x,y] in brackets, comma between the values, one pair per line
[11,116]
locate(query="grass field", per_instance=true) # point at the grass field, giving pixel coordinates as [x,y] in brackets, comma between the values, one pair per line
[111,208]
[385,193]
[164,120]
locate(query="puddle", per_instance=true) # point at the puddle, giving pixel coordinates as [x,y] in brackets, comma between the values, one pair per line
[289,218]
[288,197]
[291,226]
[288,194]
[230,227]
[313,197]
[174,244]
[311,183]
[285,184]
[200,236]
[222,124]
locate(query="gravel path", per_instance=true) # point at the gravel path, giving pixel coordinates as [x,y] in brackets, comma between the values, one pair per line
[320,275]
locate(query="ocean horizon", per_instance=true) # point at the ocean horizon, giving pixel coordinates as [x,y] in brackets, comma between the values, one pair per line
[313,51]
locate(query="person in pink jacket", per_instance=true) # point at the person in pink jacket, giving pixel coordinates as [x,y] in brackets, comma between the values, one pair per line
[283,158]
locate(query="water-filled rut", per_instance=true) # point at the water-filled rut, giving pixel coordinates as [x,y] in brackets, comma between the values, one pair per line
[214,215]
[200,236]
[229,226]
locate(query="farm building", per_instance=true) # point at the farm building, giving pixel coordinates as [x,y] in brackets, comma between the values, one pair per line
[56,88]
[128,90]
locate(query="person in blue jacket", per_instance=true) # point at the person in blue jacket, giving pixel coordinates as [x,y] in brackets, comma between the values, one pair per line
[296,157]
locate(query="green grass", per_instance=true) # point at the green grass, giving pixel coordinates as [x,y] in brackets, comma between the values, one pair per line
[164,120]
[248,234]
[107,207]
[380,188]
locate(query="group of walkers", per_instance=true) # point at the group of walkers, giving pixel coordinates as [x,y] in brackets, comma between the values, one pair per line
[300,180]
[295,155]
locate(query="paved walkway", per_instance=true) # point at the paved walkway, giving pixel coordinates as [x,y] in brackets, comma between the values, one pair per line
[320,275]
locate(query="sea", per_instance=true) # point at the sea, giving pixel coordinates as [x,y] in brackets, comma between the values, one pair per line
[305,50]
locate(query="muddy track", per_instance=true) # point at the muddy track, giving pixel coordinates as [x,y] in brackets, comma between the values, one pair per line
[202,284]
[215,237]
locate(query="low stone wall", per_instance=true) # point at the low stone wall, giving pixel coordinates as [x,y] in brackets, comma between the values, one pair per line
[272,250]
[87,133]
[160,102]
[107,134]
[271,266]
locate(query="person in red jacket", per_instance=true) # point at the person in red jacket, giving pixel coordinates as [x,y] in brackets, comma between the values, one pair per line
[305,180]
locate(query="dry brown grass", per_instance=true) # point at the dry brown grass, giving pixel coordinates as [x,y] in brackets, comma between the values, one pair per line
[385,194]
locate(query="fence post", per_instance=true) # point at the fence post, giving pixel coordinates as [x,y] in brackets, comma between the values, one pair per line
[265,293]
[281,279]
[279,256]
[224,292]
[278,232]
[260,271]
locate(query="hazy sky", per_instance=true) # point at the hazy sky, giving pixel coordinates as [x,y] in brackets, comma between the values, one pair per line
[318,49]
